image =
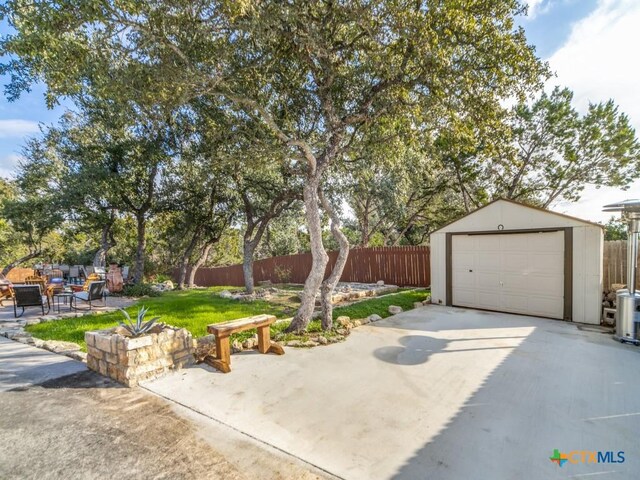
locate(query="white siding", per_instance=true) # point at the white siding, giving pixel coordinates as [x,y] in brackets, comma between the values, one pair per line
[511,216]
[438,268]
[587,251]
[587,274]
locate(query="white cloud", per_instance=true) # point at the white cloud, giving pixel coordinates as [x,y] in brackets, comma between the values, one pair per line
[8,164]
[11,128]
[599,61]
[535,7]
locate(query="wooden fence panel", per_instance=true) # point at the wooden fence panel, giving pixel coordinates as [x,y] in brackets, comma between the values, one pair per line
[615,264]
[18,275]
[403,266]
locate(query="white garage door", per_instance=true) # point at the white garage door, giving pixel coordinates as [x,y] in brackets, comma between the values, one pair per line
[519,272]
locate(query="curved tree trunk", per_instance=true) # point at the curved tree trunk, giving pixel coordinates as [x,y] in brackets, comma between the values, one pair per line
[138,273]
[106,243]
[19,261]
[100,257]
[184,261]
[182,273]
[318,254]
[247,264]
[194,269]
[329,284]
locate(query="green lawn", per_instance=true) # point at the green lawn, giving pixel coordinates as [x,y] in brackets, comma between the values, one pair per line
[195,309]
[380,305]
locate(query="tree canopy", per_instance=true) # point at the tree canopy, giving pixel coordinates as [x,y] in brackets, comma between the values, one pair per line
[203,122]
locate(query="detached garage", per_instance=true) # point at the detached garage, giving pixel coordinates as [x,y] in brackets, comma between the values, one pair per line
[510,257]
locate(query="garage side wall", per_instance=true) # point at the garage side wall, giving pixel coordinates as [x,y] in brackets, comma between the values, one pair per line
[438,268]
[587,274]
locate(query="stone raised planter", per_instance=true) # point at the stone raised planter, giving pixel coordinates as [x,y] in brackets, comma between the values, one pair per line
[131,360]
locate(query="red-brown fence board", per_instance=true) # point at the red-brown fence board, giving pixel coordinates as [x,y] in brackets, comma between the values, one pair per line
[403,266]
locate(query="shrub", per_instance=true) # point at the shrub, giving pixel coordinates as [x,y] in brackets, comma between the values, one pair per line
[139,327]
[140,290]
[283,274]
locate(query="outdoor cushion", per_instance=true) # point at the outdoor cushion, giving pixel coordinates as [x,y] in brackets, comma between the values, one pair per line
[82,296]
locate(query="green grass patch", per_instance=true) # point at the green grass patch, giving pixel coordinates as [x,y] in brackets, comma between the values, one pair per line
[380,305]
[195,309]
[190,309]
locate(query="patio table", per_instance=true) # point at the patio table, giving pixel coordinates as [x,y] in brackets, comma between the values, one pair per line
[65,296]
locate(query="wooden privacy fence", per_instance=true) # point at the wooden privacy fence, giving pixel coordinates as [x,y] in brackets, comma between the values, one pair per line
[615,264]
[403,266]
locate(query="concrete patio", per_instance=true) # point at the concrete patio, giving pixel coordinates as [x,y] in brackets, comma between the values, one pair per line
[437,393]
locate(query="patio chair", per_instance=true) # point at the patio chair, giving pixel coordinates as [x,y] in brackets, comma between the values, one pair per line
[36,280]
[5,289]
[101,271]
[93,277]
[95,292]
[55,273]
[74,274]
[28,296]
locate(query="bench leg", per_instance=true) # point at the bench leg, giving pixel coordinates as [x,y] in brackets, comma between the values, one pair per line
[223,355]
[264,342]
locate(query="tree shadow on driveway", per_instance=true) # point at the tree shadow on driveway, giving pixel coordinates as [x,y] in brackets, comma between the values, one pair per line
[417,349]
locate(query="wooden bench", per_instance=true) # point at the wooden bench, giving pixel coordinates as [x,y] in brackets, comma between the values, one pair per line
[222,331]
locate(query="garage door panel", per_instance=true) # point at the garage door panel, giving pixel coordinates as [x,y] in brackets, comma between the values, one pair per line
[490,261]
[464,261]
[551,286]
[546,242]
[515,282]
[550,264]
[519,273]
[546,306]
[466,297]
[514,302]
[488,280]
[514,262]
[465,243]
[486,244]
[488,300]
[510,243]
[464,279]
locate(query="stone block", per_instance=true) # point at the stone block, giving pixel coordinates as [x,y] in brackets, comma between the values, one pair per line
[92,363]
[103,342]
[394,309]
[102,368]
[139,342]
[111,358]
[95,353]
[131,360]
[90,339]
[115,343]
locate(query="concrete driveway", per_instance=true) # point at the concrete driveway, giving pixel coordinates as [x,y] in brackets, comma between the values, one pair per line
[435,393]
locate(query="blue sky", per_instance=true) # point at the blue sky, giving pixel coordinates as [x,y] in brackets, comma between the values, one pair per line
[590,44]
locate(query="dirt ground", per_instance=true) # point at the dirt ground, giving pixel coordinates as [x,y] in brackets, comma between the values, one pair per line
[86,427]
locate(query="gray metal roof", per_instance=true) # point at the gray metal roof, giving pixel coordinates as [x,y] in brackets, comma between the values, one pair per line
[624,206]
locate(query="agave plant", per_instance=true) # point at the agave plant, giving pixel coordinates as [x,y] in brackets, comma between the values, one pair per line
[140,327]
